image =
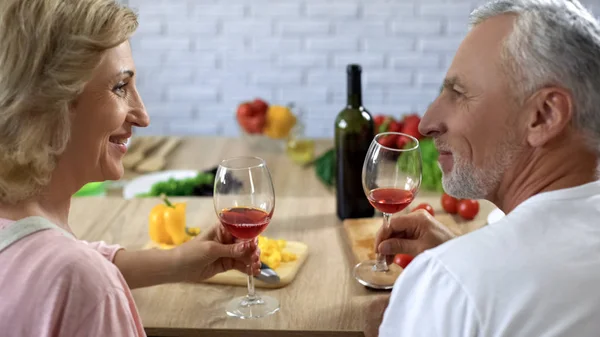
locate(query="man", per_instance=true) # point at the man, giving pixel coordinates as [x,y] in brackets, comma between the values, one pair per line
[517,123]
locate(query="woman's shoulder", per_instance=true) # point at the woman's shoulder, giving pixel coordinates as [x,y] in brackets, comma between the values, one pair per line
[64,280]
[68,263]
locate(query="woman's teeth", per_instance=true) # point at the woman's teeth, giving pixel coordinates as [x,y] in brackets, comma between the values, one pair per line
[120,141]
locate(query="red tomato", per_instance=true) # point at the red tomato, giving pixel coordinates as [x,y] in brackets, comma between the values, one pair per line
[412,130]
[426,207]
[395,126]
[378,120]
[260,106]
[411,126]
[412,120]
[449,203]
[388,141]
[468,208]
[403,260]
[380,123]
[401,141]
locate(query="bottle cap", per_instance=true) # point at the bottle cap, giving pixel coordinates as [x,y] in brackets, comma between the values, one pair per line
[353,68]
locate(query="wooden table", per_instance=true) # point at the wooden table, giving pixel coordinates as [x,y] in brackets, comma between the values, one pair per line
[323,300]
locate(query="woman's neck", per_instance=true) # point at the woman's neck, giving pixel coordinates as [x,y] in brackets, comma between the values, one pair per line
[50,206]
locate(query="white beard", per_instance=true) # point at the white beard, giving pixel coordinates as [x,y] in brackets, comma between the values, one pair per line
[466,181]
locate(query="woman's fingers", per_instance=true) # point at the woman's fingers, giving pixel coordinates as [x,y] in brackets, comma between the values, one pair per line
[242,267]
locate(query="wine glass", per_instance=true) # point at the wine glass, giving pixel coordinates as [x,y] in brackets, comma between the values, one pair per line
[244,201]
[391,178]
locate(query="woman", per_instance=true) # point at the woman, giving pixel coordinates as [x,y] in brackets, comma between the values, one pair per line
[68,103]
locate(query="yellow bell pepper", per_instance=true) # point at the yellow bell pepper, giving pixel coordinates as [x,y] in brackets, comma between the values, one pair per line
[280,121]
[157,230]
[167,224]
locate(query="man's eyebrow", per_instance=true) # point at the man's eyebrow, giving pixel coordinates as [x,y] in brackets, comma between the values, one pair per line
[449,82]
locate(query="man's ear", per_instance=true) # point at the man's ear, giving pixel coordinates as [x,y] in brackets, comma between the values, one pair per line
[549,112]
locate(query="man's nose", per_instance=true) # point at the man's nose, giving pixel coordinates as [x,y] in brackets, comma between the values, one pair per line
[431,124]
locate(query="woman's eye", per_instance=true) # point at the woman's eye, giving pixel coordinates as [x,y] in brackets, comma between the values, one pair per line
[120,88]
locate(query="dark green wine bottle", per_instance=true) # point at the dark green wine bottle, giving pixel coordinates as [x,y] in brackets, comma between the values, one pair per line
[354,131]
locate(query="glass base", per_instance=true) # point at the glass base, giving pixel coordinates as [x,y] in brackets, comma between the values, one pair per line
[366,275]
[248,308]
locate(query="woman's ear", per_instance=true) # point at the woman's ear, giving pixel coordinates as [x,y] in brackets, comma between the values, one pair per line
[550,111]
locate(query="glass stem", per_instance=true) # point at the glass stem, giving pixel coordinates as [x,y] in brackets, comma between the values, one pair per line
[251,292]
[381,264]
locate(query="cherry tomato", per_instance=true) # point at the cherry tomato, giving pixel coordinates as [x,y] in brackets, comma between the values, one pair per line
[449,203]
[378,120]
[468,208]
[401,142]
[412,120]
[403,260]
[426,207]
[388,141]
[395,126]
[412,130]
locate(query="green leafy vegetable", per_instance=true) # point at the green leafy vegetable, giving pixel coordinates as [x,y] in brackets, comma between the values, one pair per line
[432,175]
[179,187]
[325,168]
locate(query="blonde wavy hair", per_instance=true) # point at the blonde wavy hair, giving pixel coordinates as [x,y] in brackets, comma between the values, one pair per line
[48,52]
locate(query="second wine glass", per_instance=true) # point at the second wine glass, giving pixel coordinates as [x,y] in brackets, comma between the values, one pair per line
[391,178]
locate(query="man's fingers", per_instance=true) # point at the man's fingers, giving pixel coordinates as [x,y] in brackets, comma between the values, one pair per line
[395,246]
[409,226]
[410,222]
[383,233]
[401,226]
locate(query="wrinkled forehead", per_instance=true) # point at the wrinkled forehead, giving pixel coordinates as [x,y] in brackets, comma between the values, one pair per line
[116,59]
[477,64]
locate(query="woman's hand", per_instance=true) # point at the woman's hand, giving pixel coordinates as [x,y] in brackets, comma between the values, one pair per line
[214,252]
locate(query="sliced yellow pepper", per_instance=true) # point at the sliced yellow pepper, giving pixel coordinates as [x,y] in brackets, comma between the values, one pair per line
[272,252]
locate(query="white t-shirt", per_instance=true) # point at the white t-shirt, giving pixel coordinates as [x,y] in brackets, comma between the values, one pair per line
[535,273]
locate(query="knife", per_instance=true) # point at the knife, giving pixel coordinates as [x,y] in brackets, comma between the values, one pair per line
[267,274]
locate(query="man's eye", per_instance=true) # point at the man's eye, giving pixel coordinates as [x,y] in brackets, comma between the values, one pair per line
[456,92]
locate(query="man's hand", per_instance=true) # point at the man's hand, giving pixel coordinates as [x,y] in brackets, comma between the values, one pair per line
[411,234]
[215,252]
[374,315]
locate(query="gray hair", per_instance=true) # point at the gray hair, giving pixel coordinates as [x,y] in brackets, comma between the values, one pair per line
[553,42]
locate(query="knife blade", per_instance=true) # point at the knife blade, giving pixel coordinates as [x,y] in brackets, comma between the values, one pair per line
[267,274]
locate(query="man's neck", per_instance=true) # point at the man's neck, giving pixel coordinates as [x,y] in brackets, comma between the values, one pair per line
[545,171]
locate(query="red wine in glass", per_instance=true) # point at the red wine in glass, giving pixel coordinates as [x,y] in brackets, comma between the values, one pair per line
[244,200]
[390,200]
[245,222]
[391,179]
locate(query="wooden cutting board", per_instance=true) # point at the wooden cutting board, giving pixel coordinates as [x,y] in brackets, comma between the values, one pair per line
[360,233]
[287,271]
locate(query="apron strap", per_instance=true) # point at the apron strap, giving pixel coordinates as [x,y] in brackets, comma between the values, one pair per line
[25,227]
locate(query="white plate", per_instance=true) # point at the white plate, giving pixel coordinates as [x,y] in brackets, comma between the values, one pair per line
[494,216]
[142,184]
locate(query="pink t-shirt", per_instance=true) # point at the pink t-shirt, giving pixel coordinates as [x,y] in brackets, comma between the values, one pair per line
[52,285]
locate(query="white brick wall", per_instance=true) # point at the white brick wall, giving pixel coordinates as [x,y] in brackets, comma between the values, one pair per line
[198,59]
